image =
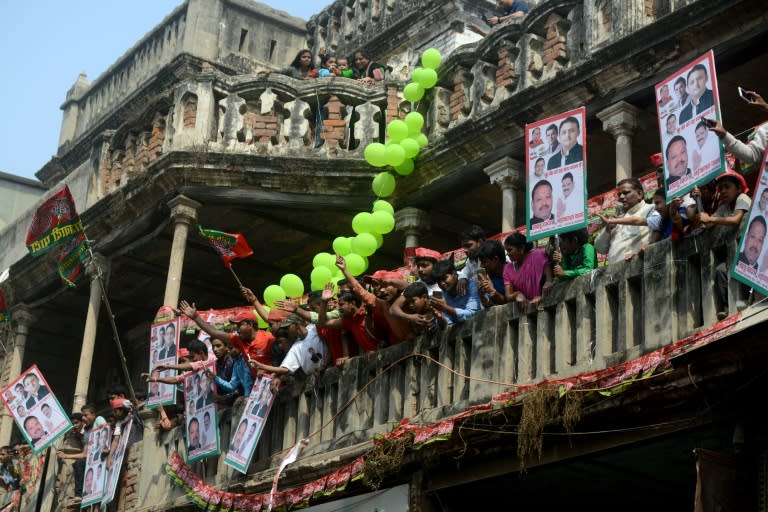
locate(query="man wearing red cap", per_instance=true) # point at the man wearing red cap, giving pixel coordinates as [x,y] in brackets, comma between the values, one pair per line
[424,259]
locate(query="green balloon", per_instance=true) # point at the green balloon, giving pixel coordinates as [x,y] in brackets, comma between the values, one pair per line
[324,259]
[383,222]
[382,205]
[379,239]
[321,275]
[364,244]
[413,92]
[342,245]
[292,285]
[414,121]
[355,264]
[397,130]
[383,184]
[410,146]
[428,78]
[362,223]
[431,58]
[405,168]
[316,286]
[273,293]
[395,154]
[422,139]
[416,74]
[375,154]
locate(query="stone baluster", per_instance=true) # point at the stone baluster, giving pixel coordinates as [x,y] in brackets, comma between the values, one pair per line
[621,120]
[508,174]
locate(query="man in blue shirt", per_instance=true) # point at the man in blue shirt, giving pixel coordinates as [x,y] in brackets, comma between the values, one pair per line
[457,308]
[509,9]
[241,380]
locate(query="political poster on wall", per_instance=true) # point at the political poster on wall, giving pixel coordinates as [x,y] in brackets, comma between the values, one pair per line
[692,154]
[751,265]
[201,421]
[163,349]
[35,409]
[251,424]
[99,440]
[556,166]
[113,474]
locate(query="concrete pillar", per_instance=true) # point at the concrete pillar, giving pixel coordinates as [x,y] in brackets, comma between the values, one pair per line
[21,319]
[184,215]
[508,174]
[413,222]
[97,268]
[621,120]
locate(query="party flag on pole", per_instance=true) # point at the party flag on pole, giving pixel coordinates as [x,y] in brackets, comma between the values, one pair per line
[71,258]
[230,246]
[55,222]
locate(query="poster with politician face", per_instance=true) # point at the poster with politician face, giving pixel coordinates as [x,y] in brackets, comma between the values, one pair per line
[163,347]
[251,424]
[556,165]
[35,409]
[113,472]
[202,423]
[95,480]
[751,264]
[685,100]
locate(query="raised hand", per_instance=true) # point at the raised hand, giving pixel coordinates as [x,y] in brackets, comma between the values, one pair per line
[248,295]
[327,292]
[185,308]
[287,304]
[340,262]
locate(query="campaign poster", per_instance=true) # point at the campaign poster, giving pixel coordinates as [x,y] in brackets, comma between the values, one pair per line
[113,474]
[751,265]
[37,412]
[556,166]
[202,424]
[99,441]
[251,424]
[693,155]
[163,347]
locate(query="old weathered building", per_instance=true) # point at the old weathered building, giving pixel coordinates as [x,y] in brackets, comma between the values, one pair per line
[182,129]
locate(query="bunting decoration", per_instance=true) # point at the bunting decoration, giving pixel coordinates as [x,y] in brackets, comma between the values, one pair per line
[229,246]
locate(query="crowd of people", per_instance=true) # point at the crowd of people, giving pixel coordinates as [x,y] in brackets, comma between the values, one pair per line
[360,66]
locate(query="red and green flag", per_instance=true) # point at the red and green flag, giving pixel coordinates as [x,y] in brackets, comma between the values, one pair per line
[54,223]
[70,260]
[3,308]
[230,246]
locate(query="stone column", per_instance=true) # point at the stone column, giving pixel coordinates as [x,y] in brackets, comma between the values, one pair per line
[96,268]
[413,222]
[508,174]
[621,120]
[21,319]
[184,215]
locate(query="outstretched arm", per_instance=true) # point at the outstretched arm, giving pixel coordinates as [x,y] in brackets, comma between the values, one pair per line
[191,312]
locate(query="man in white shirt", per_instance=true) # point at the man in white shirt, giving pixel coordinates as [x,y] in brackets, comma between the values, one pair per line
[622,242]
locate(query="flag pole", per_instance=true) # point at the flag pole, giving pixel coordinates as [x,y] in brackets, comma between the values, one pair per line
[115,335]
[229,266]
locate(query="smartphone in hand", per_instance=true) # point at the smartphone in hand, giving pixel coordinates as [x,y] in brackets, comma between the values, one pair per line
[745,95]
[437,294]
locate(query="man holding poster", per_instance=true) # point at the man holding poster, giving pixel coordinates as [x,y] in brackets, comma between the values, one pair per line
[691,157]
[556,182]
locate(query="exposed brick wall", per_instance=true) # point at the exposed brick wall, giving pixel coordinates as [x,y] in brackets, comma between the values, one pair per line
[260,128]
[459,97]
[129,481]
[156,138]
[393,103]
[554,46]
[505,73]
[334,126]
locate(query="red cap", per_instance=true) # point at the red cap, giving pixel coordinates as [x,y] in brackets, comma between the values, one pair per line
[738,177]
[424,253]
[385,275]
[183,352]
[243,314]
[120,403]
[657,159]
[277,315]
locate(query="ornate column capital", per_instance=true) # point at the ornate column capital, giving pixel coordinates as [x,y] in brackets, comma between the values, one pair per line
[621,118]
[412,220]
[506,173]
[184,209]
[22,318]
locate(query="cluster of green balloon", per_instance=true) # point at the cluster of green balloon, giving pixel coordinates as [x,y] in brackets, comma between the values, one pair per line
[404,137]
[290,285]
